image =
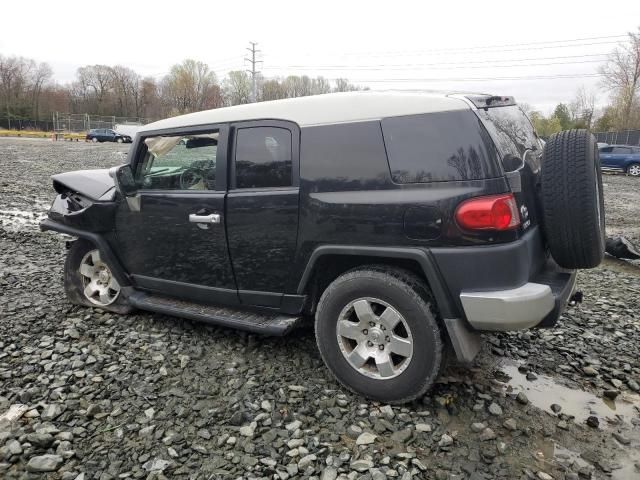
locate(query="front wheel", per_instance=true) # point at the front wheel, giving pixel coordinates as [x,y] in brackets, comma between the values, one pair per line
[89,279]
[377,334]
[119,140]
[634,169]
[94,140]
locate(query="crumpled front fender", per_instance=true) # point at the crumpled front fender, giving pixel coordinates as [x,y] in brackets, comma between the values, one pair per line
[80,212]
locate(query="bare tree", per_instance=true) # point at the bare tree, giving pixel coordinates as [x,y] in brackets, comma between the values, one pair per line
[272,90]
[94,83]
[582,108]
[343,85]
[237,88]
[320,85]
[125,84]
[621,75]
[189,87]
[41,75]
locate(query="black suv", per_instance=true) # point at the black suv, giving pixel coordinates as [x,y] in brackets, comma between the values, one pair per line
[106,135]
[403,223]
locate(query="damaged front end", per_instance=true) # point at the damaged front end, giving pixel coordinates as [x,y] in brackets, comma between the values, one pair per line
[85,201]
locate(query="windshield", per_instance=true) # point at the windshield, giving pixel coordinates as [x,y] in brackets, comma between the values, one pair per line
[513,134]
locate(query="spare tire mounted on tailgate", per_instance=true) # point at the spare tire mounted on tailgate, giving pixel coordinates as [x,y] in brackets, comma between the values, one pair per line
[573,205]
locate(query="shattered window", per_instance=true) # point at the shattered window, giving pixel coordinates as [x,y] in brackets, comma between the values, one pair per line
[184,162]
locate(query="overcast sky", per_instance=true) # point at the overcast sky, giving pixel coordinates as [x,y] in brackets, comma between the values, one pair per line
[450,45]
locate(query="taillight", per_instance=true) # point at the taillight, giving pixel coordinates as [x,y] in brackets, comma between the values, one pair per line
[495,212]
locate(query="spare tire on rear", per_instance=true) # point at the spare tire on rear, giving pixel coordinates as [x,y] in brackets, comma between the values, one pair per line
[572,201]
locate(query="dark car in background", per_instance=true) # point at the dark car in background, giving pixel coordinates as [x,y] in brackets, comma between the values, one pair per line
[107,135]
[625,158]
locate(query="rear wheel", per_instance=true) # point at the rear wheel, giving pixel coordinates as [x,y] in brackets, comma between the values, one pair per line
[89,279]
[634,169]
[94,140]
[573,203]
[377,334]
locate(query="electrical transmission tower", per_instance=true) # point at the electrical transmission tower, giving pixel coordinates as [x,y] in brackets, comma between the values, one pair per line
[253,71]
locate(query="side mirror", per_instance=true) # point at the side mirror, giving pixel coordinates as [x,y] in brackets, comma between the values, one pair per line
[124,181]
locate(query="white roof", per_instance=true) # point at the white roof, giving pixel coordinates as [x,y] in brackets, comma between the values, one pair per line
[321,109]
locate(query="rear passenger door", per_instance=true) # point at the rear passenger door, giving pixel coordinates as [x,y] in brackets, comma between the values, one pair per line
[606,157]
[262,208]
[619,157]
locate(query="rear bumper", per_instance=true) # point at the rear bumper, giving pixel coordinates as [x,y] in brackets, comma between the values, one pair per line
[527,306]
[509,286]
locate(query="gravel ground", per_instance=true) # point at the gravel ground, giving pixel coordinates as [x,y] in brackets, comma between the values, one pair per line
[87,394]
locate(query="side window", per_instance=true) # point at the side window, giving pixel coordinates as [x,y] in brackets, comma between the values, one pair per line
[179,162]
[606,150]
[436,147]
[263,157]
[621,150]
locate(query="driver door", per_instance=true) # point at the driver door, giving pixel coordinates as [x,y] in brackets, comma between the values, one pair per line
[171,236]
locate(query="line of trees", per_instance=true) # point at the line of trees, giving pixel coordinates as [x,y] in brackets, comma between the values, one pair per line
[27,90]
[621,79]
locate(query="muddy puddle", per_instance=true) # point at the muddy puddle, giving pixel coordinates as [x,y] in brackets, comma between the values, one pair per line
[621,414]
[580,404]
[16,219]
[622,467]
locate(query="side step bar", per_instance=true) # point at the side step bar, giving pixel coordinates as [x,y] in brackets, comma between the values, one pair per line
[276,323]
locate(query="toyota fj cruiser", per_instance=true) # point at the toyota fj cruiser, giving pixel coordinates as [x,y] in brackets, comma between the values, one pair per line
[404,223]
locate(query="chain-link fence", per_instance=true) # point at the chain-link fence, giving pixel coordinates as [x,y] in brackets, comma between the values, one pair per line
[26,124]
[71,122]
[624,137]
[82,122]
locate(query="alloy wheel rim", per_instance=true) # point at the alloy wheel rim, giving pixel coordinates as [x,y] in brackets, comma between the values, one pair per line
[634,170]
[374,338]
[99,285]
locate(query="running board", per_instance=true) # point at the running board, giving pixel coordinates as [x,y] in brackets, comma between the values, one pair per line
[259,322]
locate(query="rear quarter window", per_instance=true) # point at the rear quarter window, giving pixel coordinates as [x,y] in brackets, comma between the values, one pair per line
[439,147]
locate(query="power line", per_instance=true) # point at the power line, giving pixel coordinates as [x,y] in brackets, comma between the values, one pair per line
[438,67]
[466,63]
[476,79]
[535,45]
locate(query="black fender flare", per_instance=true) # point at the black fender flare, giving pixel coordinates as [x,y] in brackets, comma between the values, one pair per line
[98,240]
[423,257]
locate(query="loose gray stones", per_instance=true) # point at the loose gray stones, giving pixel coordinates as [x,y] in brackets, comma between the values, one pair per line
[593,421]
[446,440]
[590,371]
[495,409]
[361,465]
[366,438]
[478,426]
[156,465]
[329,473]
[510,424]
[44,463]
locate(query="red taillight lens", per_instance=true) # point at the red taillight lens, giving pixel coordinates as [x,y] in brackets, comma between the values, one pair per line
[495,212]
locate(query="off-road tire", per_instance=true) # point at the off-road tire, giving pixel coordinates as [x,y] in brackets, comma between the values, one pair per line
[73,284]
[572,200]
[407,294]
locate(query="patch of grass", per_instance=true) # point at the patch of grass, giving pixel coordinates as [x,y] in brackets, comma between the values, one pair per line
[40,134]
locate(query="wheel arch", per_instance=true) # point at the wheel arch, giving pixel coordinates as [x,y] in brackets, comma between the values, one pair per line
[98,240]
[328,262]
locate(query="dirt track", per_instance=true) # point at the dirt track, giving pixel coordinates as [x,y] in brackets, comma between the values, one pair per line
[112,396]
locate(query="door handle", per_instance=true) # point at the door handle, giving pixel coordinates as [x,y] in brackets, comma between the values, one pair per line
[212,218]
